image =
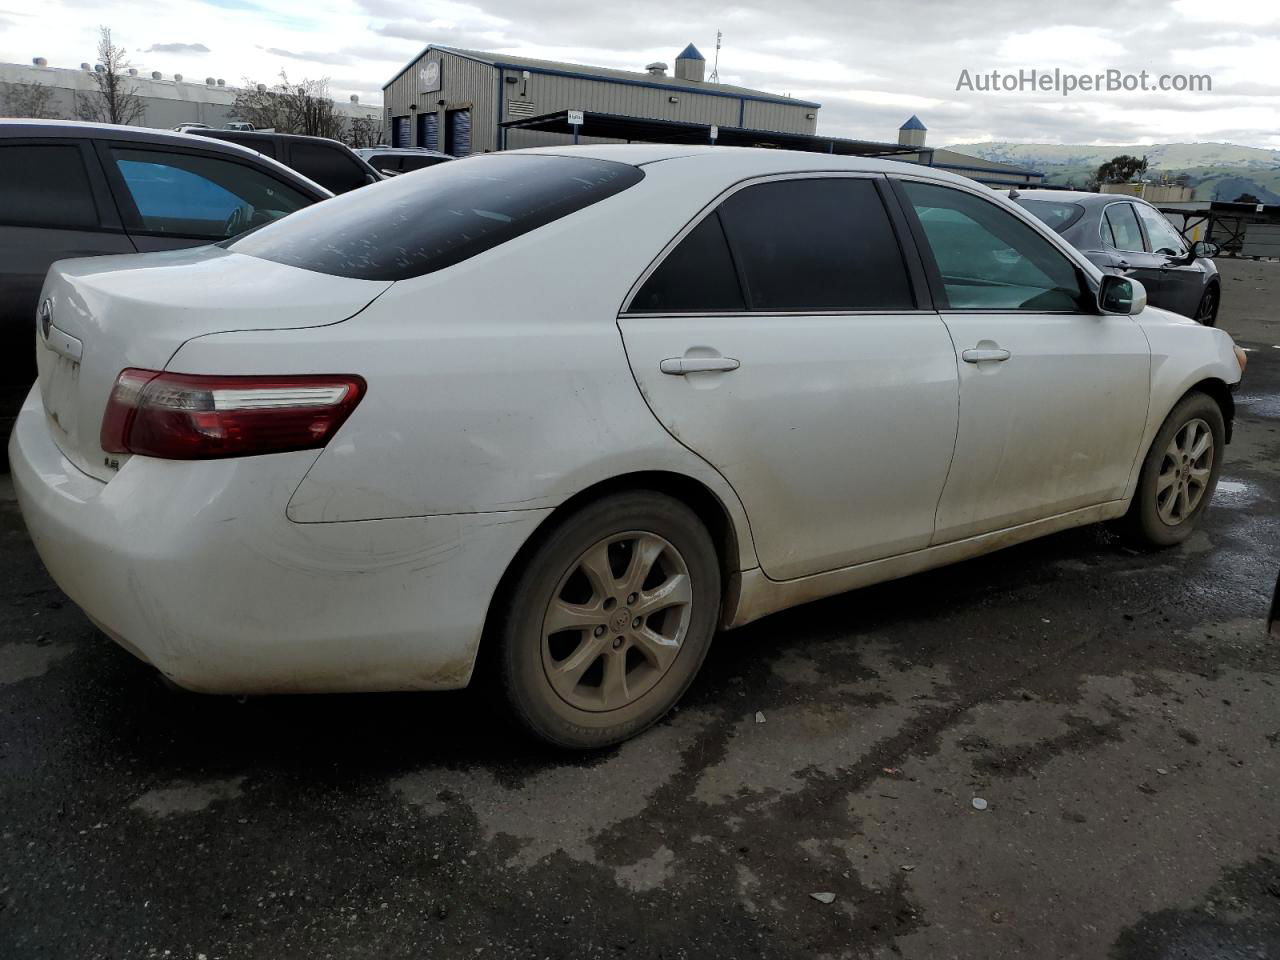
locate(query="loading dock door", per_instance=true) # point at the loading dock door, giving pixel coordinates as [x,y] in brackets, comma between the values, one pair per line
[458,132]
[429,130]
[400,132]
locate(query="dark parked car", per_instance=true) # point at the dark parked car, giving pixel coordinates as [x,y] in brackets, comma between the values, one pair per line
[393,161]
[330,163]
[1129,236]
[84,189]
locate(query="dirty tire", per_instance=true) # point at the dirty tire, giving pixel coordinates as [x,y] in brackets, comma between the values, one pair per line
[1144,521]
[565,572]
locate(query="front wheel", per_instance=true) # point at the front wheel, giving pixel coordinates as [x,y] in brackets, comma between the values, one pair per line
[609,620]
[1207,311]
[1179,473]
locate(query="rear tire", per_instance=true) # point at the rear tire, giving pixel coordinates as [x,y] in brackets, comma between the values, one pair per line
[1179,473]
[609,620]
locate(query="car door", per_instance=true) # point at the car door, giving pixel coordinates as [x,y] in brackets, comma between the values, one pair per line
[1181,279]
[53,205]
[1123,236]
[781,338]
[1053,395]
[171,197]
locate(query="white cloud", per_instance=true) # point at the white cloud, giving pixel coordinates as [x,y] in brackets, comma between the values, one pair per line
[871,64]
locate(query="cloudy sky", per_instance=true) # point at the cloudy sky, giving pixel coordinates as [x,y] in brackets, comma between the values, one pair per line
[871,63]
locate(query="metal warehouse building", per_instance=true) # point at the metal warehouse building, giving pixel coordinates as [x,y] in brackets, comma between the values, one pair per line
[466,101]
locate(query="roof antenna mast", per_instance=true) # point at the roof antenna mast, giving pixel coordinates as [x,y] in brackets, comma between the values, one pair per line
[715,67]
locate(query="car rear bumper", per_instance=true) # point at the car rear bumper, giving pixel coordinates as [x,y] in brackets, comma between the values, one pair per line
[194,567]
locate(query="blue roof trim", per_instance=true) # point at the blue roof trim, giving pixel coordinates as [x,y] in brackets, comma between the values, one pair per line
[690,53]
[913,124]
[624,81]
[674,87]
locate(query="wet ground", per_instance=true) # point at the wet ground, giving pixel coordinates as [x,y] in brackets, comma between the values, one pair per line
[1118,712]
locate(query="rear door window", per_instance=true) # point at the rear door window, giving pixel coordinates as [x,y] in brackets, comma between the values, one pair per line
[201,196]
[408,162]
[410,226]
[330,166]
[388,163]
[1120,228]
[816,245]
[46,185]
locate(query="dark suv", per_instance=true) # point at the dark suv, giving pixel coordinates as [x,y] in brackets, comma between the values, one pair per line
[85,189]
[330,163]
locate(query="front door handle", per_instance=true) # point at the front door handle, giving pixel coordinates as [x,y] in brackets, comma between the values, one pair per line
[982,355]
[679,366]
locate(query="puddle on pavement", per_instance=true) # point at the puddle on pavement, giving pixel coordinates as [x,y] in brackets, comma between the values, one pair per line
[1255,405]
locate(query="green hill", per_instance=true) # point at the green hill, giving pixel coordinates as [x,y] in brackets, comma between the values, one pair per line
[1217,171]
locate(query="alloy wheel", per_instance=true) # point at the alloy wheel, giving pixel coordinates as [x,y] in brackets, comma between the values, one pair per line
[616,621]
[1208,308]
[1184,473]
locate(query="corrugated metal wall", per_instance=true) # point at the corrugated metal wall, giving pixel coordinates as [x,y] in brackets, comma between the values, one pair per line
[463,83]
[466,82]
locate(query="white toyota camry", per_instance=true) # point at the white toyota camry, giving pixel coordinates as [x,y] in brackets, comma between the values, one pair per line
[567,412]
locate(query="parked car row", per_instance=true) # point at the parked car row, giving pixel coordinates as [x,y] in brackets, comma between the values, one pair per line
[84,190]
[601,401]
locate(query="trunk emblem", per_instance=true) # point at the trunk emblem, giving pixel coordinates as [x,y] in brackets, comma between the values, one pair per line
[46,318]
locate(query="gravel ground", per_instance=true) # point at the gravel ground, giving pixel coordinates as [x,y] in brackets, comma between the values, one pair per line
[1118,712]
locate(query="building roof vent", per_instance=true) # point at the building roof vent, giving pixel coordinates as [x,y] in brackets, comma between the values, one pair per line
[85,66]
[355,98]
[221,82]
[177,78]
[690,64]
[262,88]
[39,61]
[157,75]
[99,68]
[133,71]
[656,69]
[210,82]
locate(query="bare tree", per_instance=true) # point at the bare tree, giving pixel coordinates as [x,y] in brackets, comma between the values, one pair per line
[115,100]
[302,107]
[32,100]
[363,132]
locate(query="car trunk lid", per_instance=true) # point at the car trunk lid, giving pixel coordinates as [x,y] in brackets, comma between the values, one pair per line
[98,316]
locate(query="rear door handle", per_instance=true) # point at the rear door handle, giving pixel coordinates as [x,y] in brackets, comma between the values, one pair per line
[679,366]
[982,355]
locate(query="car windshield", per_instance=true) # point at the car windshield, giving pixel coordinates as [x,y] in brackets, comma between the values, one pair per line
[1057,214]
[410,226]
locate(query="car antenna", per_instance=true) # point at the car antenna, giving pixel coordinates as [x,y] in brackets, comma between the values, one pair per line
[1013,193]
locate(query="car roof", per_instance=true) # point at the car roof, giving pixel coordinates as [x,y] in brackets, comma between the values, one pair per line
[406,151]
[751,161]
[264,135]
[110,131]
[1075,196]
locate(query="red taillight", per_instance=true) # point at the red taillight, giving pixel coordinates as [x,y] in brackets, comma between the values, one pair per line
[180,416]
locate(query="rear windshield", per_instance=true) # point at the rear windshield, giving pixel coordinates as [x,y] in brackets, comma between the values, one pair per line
[1057,214]
[410,226]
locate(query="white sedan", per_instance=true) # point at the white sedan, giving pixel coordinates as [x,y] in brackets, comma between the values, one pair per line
[564,413]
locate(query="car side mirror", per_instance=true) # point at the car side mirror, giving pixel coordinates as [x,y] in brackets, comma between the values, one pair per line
[371,178]
[1204,248]
[1121,295]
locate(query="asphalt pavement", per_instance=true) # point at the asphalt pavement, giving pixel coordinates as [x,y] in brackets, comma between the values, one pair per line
[1066,749]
